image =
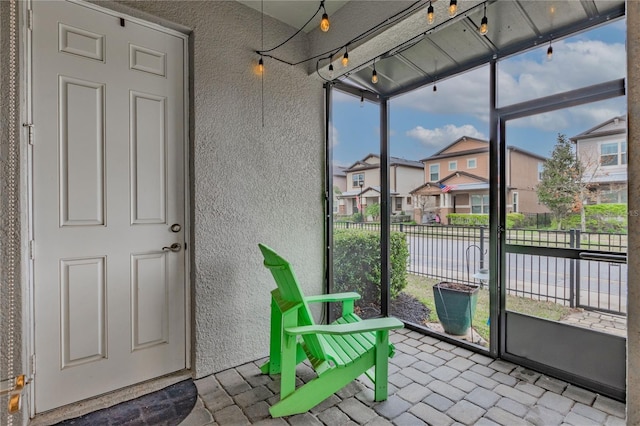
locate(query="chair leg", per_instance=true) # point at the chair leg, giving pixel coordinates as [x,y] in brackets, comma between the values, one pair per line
[274,364]
[381,365]
[317,390]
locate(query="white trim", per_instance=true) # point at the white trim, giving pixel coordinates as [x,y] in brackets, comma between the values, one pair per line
[26,52]
[130,18]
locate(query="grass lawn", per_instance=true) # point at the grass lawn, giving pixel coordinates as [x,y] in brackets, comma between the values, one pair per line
[421,288]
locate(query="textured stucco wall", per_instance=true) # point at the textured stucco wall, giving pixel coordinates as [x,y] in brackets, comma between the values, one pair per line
[10,224]
[251,183]
[633,134]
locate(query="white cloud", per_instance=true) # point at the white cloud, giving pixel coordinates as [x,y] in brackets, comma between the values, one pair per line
[576,63]
[464,94]
[442,136]
[335,136]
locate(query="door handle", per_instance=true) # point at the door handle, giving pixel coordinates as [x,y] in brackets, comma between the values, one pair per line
[175,247]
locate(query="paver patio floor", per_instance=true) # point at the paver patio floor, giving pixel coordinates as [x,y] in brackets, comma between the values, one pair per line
[430,382]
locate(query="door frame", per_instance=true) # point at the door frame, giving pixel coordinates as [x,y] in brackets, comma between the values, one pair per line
[611,378]
[26,191]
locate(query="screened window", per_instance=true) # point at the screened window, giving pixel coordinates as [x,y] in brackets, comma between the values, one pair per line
[540,169]
[434,172]
[358,180]
[472,163]
[480,204]
[398,203]
[613,154]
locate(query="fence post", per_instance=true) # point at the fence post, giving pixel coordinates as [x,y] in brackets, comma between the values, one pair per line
[572,270]
[578,278]
[481,247]
[401,228]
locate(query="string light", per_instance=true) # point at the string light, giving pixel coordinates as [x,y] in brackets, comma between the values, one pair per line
[484,24]
[345,57]
[435,88]
[550,52]
[430,14]
[453,8]
[324,22]
[260,65]
[331,71]
[361,100]
[374,74]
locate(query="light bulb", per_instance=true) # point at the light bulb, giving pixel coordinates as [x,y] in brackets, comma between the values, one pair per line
[453,8]
[331,71]
[550,52]
[345,59]
[374,76]
[435,88]
[430,15]
[260,66]
[484,26]
[324,23]
[361,100]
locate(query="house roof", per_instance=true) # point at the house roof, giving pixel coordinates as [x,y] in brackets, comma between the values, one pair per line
[602,130]
[393,161]
[353,193]
[443,154]
[480,183]
[620,177]
[525,152]
[339,171]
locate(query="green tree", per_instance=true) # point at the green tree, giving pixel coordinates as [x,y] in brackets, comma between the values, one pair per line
[373,210]
[561,184]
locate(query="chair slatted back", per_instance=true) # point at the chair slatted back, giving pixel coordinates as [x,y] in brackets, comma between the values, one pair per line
[290,291]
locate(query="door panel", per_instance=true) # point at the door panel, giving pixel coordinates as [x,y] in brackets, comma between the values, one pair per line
[565,282]
[108,178]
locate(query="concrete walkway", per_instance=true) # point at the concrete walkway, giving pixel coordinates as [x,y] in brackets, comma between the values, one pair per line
[430,382]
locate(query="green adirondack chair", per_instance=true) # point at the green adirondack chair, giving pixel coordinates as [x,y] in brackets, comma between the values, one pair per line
[339,352]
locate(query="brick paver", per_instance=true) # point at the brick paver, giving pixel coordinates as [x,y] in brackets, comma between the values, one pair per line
[430,382]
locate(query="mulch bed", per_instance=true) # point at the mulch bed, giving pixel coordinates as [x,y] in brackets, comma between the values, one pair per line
[405,307]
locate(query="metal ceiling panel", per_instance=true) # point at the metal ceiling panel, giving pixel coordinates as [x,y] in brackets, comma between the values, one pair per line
[514,26]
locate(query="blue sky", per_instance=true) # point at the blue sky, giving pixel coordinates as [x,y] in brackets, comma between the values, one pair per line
[423,122]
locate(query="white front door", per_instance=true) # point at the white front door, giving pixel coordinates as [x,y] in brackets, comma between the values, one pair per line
[108,184]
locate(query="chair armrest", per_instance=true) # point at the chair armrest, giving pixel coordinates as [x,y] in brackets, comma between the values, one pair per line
[376,324]
[332,297]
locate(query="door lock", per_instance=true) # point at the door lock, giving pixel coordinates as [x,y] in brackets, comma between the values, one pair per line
[175,247]
[176,227]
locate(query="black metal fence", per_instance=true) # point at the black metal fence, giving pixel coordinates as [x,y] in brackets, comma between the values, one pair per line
[457,253]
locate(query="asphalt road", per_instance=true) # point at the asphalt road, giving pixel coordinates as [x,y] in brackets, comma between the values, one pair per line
[602,284]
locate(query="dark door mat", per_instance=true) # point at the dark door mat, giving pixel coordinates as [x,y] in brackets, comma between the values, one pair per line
[166,407]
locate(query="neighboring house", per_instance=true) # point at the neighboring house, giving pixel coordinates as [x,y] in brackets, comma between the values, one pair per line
[457,181]
[339,186]
[363,184]
[602,150]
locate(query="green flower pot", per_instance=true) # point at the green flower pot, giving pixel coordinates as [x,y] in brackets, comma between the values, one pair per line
[455,306]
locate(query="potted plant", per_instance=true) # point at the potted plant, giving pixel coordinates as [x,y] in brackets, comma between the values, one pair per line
[455,306]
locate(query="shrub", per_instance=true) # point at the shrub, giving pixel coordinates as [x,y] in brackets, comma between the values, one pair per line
[373,210]
[514,220]
[357,217]
[608,218]
[356,260]
[468,219]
